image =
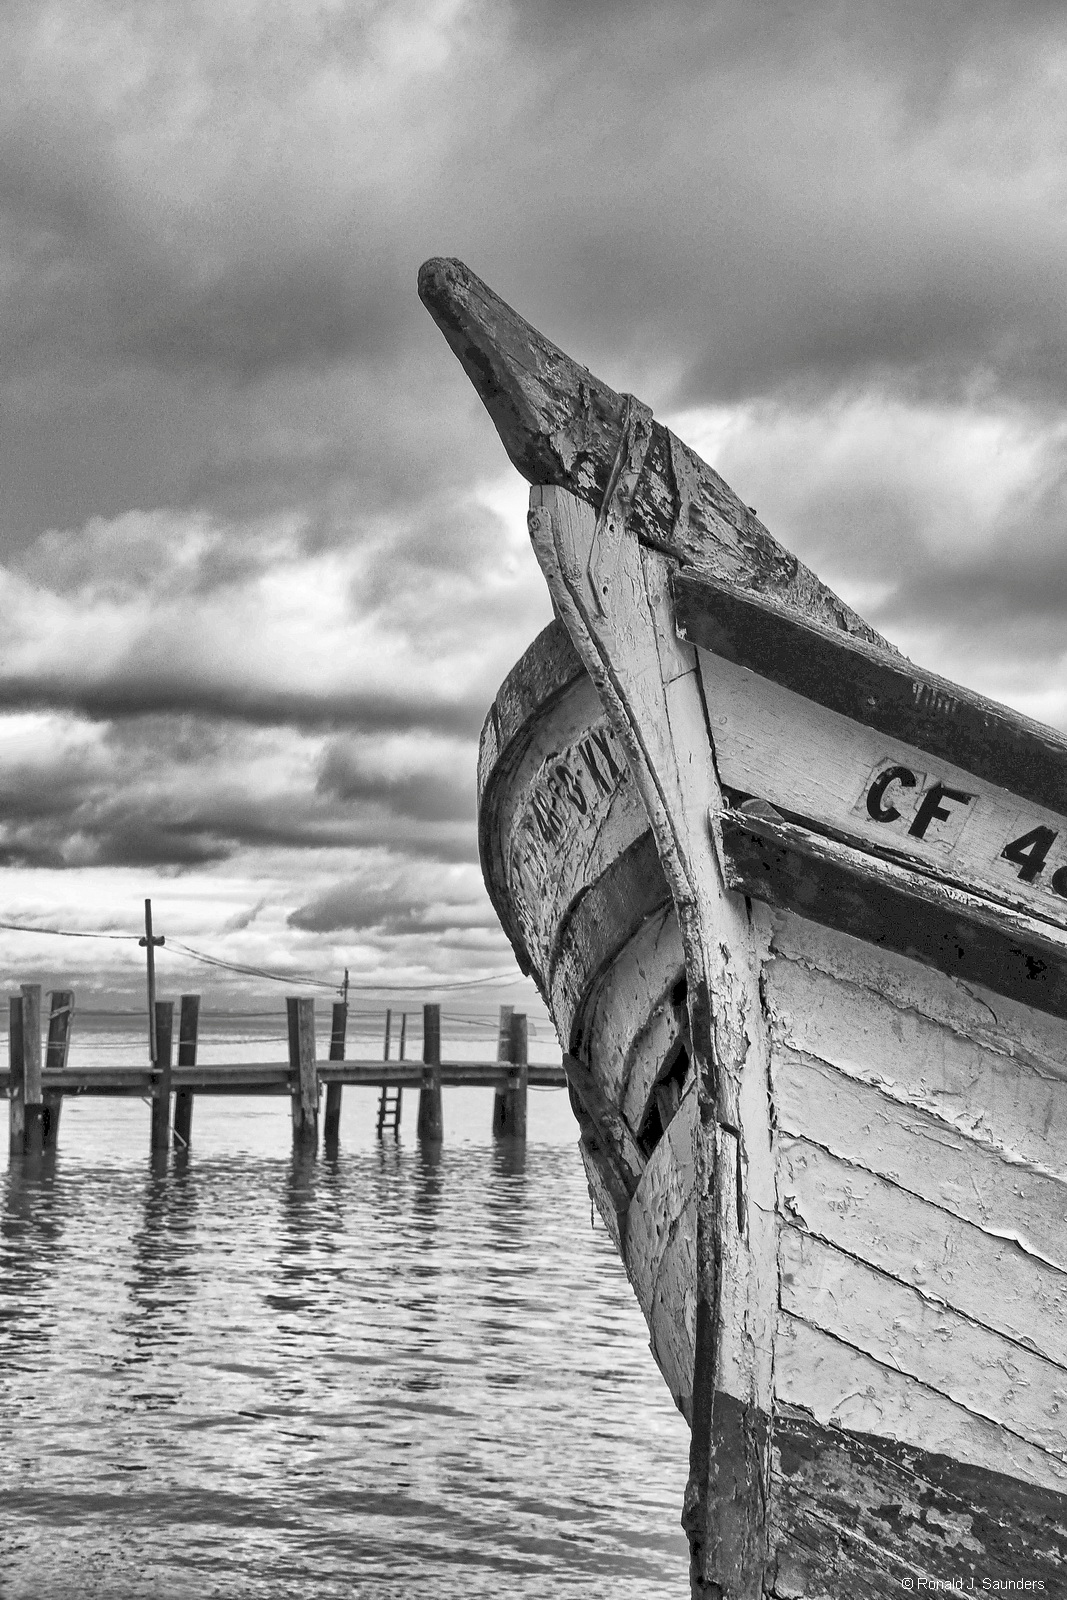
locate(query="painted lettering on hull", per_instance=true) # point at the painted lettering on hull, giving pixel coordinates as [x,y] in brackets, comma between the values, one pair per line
[921,806]
[832,771]
[577,810]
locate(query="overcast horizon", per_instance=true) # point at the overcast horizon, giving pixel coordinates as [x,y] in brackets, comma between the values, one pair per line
[264,560]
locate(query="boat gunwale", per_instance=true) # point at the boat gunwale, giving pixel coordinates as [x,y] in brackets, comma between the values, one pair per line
[509,726]
[938,701]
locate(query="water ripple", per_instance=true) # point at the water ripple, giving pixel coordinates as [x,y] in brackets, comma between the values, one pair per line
[397,1372]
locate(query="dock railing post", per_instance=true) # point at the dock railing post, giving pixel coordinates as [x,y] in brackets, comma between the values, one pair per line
[430,1124]
[60,1018]
[304,1075]
[338,1028]
[188,1031]
[164,1035]
[509,1103]
[33,1099]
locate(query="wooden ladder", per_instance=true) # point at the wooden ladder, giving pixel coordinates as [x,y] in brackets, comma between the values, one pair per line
[389,1103]
[391,1099]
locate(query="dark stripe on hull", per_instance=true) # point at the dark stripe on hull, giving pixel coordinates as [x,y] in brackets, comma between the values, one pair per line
[913,915]
[597,926]
[538,678]
[870,686]
[854,1514]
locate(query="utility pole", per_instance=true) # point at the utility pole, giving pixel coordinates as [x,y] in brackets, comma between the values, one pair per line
[160,1051]
[148,944]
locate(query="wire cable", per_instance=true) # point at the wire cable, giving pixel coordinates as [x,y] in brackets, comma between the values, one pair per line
[64,933]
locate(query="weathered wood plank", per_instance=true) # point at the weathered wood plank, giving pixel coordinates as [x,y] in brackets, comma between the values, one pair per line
[601,923]
[897,1325]
[509,1103]
[273,1077]
[429,1124]
[548,667]
[606,1120]
[33,1097]
[854,1515]
[990,1097]
[556,806]
[60,1021]
[845,1388]
[161,1085]
[871,1127]
[988,1279]
[819,766]
[188,1030]
[571,812]
[1006,1026]
[660,1247]
[303,1071]
[631,1019]
[338,1027]
[862,683]
[16,1054]
[651,689]
[897,908]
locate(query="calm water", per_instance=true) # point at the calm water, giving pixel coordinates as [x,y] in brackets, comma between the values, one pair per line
[392,1373]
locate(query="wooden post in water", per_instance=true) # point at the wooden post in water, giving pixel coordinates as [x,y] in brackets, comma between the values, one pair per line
[16,1090]
[33,1099]
[60,1017]
[304,1076]
[164,1036]
[509,1103]
[188,1031]
[338,1028]
[430,1124]
[503,1053]
[160,1135]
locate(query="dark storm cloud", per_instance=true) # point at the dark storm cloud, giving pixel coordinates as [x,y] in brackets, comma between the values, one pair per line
[264,706]
[443,792]
[724,201]
[395,909]
[132,827]
[1003,605]
[178,792]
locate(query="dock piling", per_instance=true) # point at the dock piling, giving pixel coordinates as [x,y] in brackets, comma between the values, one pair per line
[33,1099]
[164,1041]
[39,1078]
[430,1125]
[338,1028]
[188,1031]
[303,1071]
[16,1093]
[509,1102]
[60,1017]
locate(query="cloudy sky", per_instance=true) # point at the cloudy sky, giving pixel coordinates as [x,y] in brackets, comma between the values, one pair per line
[263,559]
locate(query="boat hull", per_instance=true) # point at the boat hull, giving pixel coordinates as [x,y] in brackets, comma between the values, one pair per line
[799,911]
[920,1343]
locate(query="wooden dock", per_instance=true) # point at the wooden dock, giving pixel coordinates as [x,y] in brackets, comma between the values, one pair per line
[38,1081]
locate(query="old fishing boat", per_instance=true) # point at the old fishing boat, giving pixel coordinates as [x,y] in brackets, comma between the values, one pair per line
[799,911]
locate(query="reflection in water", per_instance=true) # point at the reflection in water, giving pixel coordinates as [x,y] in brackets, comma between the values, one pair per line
[161,1279]
[399,1370]
[31,1230]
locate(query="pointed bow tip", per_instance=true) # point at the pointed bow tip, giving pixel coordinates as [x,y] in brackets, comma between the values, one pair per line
[437,278]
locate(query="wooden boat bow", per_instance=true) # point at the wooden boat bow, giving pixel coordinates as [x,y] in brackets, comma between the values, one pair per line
[562,426]
[763,829]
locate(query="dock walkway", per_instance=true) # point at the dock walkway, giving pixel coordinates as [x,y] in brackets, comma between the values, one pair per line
[39,1080]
